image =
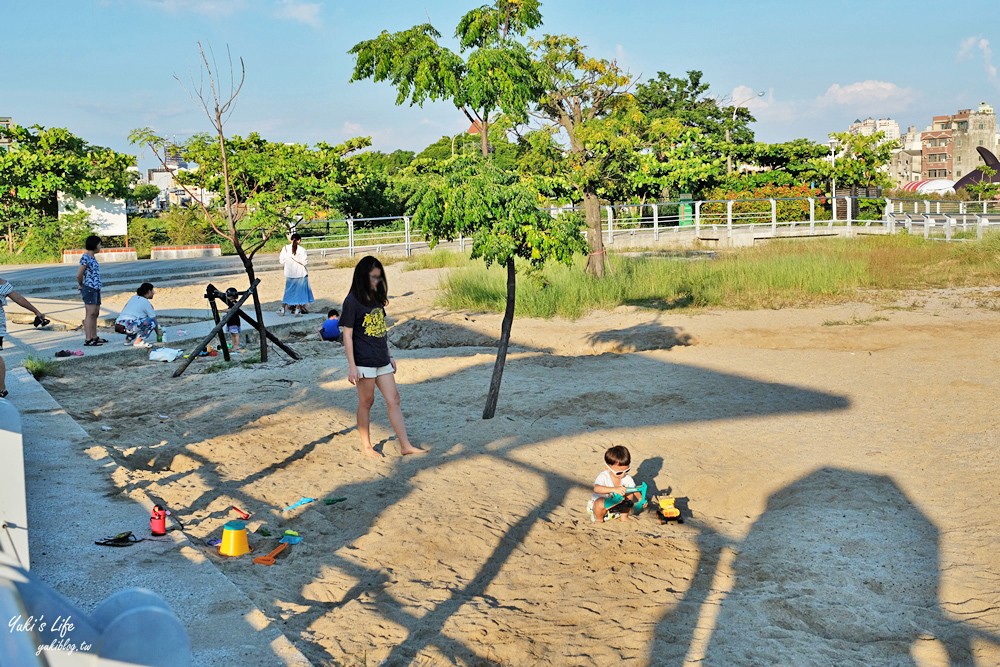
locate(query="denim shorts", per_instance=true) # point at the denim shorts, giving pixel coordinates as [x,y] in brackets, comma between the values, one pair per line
[91,296]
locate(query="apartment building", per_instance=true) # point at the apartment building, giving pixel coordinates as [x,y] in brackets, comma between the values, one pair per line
[870,126]
[5,121]
[948,146]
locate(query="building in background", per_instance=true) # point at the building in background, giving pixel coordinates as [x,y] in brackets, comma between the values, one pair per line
[5,121]
[949,144]
[870,126]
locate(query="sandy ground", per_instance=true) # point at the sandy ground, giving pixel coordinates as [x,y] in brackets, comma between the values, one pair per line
[838,480]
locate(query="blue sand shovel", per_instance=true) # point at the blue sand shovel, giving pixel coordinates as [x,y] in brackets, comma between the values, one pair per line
[290,537]
[304,501]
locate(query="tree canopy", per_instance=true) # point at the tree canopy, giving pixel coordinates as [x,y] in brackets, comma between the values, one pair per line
[41,163]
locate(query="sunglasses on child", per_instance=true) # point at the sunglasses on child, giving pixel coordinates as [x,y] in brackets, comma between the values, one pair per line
[619,473]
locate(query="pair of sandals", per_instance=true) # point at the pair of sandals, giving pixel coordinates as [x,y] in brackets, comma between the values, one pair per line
[95,342]
[125,539]
[41,321]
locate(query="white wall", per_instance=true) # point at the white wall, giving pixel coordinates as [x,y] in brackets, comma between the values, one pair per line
[13,503]
[107,216]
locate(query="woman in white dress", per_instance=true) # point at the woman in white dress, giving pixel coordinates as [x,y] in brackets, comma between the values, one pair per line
[298,294]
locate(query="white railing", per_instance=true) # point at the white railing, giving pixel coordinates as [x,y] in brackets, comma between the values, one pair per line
[709,219]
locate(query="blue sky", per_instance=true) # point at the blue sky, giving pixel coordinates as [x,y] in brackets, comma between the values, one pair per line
[104,67]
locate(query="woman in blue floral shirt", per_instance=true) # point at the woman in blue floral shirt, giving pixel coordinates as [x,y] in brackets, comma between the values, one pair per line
[89,279]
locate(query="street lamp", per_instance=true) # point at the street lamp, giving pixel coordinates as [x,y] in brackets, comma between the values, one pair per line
[736,107]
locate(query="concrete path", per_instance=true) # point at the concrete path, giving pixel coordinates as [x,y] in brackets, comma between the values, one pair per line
[59,280]
[72,502]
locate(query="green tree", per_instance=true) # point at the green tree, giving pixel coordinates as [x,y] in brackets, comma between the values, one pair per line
[788,163]
[492,74]
[273,184]
[144,193]
[491,206]
[42,163]
[688,101]
[585,100]
[389,164]
[860,161]
[986,187]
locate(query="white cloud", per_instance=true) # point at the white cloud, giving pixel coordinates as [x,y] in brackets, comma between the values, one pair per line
[352,129]
[763,107]
[968,48]
[207,7]
[868,97]
[303,12]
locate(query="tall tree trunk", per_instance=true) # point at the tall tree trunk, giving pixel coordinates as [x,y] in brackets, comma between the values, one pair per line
[508,320]
[595,262]
[258,311]
[484,136]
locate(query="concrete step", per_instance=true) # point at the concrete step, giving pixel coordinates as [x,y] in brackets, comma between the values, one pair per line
[47,287]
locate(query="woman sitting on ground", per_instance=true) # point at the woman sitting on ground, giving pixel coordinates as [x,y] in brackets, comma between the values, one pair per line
[138,318]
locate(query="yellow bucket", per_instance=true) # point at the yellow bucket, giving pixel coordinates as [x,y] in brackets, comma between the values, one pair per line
[234,539]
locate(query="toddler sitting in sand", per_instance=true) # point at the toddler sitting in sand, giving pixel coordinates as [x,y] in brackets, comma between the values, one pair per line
[613,479]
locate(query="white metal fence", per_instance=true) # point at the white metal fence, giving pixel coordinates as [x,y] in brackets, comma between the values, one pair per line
[674,221]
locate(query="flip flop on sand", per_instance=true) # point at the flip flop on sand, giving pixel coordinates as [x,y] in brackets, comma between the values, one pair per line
[125,539]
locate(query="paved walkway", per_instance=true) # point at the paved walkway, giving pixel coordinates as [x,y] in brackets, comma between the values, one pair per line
[72,501]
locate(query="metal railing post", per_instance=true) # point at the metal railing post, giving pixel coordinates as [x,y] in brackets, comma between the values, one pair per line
[938,207]
[656,222]
[611,218]
[981,222]
[850,213]
[729,218]
[833,200]
[406,226]
[927,207]
[812,214]
[984,206]
[350,237]
[927,228]
[461,242]
[774,217]
[947,227]
[697,219]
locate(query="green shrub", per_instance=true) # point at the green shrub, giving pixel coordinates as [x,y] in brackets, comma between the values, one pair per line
[40,368]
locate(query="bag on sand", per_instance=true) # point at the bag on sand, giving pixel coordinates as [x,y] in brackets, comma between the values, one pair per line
[164,354]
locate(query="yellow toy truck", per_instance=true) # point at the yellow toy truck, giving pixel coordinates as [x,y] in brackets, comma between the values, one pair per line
[666,510]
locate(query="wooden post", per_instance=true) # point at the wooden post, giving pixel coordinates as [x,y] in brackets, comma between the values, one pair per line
[224,320]
[271,337]
[210,295]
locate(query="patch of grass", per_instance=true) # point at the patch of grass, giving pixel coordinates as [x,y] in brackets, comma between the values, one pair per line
[854,321]
[776,275]
[40,368]
[438,259]
[219,366]
[251,359]
[346,262]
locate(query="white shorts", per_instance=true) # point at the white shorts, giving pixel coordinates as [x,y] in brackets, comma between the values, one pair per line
[372,372]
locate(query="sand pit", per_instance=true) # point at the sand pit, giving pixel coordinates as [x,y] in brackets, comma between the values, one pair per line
[838,480]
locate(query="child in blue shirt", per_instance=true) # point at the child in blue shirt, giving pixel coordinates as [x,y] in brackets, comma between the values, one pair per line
[331,328]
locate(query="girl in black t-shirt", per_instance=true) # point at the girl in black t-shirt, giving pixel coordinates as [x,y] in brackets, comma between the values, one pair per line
[369,363]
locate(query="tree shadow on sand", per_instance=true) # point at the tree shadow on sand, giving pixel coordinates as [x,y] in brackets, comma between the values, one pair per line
[572,409]
[841,568]
[539,401]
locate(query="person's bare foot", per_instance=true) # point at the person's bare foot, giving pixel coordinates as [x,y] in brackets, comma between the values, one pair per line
[406,451]
[371,453]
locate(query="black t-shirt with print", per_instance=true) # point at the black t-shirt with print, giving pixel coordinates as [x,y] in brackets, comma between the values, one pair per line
[368,332]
